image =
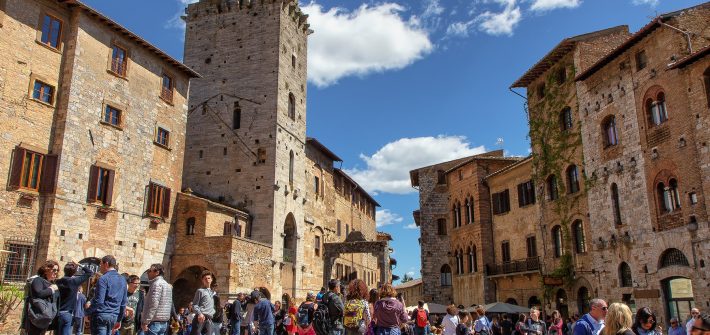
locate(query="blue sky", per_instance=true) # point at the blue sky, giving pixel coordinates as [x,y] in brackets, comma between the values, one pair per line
[402,84]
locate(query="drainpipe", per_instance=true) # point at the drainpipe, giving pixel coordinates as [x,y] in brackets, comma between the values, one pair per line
[687,34]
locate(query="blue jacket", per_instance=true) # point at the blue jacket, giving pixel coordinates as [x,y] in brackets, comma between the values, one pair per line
[68,287]
[110,296]
[584,326]
[264,313]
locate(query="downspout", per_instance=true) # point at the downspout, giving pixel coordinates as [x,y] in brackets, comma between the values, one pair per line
[687,34]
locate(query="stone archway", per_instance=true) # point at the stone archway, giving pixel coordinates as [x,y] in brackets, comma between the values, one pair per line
[186,284]
[290,247]
[355,243]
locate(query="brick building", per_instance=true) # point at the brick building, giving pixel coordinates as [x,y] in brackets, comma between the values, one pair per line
[411,291]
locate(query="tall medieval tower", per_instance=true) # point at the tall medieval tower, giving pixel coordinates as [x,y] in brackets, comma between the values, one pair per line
[246,128]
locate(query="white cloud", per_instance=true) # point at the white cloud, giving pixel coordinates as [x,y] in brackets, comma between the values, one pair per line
[652,3]
[369,39]
[433,8]
[412,226]
[410,274]
[388,168]
[460,29]
[501,23]
[384,217]
[176,21]
[543,5]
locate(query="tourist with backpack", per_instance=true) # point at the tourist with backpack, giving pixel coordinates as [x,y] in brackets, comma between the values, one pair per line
[41,302]
[482,325]
[356,317]
[290,320]
[332,320]
[304,315]
[534,325]
[390,314]
[421,317]
[235,314]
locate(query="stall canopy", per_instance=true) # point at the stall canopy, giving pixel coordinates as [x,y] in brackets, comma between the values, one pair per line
[431,307]
[501,307]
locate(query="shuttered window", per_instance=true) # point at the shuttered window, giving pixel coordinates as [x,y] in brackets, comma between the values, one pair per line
[101,185]
[33,171]
[526,193]
[501,202]
[158,200]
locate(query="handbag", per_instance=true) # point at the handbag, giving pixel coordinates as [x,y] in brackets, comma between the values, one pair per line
[41,312]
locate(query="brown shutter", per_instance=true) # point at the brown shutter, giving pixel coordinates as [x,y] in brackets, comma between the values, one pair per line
[149,199]
[16,173]
[49,174]
[521,195]
[166,203]
[109,187]
[93,183]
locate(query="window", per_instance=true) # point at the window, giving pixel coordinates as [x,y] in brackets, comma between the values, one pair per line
[460,175]
[291,106]
[531,244]
[541,91]
[158,200]
[468,211]
[474,259]
[578,229]
[469,255]
[672,257]
[456,210]
[657,113]
[561,75]
[641,60]
[501,202]
[290,167]
[293,61]
[166,89]
[625,275]
[616,207]
[236,116]
[347,230]
[29,167]
[445,274]
[668,196]
[43,92]
[51,31]
[441,226]
[316,185]
[552,187]
[457,257]
[572,179]
[566,119]
[440,177]
[505,251]
[227,230]
[706,80]
[526,193]
[261,155]
[557,241]
[19,262]
[119,61]
[317,246]
[339,227]
[112,116]
[162,137]
[100,185]
[609,128]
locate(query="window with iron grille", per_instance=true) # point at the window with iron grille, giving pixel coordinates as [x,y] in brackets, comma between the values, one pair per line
[51,31]
[672,257]
[43,92]
[119,59]
[18,265]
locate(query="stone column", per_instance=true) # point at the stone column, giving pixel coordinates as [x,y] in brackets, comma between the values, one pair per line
[328,262]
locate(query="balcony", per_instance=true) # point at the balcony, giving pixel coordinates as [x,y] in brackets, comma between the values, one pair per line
[289,255]
[519,266]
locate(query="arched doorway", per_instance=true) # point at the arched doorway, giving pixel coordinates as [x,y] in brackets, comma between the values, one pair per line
[678,292]
[511,301]
[288,268]
[583,299]
[534,301]
[186,284]
[561,303]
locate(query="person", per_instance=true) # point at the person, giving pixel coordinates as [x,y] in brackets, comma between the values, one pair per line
[335,307]
[110,297]
[291,322]
[482,326]
[79,311]
[131,325]
[506,325]
[701,325]
[421,317]
[645,323]
[279,316]
[694,314]
[321,293]
[203,306]
[520,325]
[389,312]
[218,317]
[374,296]
[356,316]
[495,326]
[535,326]
[556,324]
[304,318]
[42,287]
[248,326]
[235,314]
[462,328]
[451,320]
[157,307]
[68,292]
[263,313]
[618,320]
[676,328]
[592,323]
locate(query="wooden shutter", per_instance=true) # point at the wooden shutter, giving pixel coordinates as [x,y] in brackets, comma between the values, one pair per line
[16,173]
[532,191]
[49,174]
[109,187]
[166,202]
[149,199]
[93,183]
[521,195]
[496,203]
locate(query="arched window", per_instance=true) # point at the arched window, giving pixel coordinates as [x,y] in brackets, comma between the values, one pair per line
[290,167]
[468,212]
[474,259]
[566,119]
[460,262]
[625,279]
[557,241]
[456,211]
[445,275]
[441,226]
[583,300]
[291,106]
[706,80]
[472,212]
[609,129]
[552,187]
[672,257]
[668,196]
[578,229]
[469,257]
[572,179]
[616,207]
[656,109]
[190,226]
[440,177]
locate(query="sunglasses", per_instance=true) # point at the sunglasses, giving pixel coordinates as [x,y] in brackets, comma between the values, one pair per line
[649,321]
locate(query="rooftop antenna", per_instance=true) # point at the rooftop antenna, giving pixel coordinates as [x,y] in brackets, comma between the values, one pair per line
[499,142]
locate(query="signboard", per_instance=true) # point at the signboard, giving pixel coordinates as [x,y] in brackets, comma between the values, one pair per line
[647,294]
[91,262]
[552,281]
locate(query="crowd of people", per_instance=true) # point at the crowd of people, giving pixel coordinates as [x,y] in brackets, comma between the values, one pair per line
[117,305]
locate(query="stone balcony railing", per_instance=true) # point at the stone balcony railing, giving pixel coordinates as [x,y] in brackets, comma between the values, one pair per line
[514,267]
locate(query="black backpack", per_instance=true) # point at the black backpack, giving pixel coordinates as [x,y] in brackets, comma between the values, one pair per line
[303,317]
[321,319]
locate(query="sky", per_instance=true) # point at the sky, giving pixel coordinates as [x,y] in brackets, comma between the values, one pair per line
[400,84]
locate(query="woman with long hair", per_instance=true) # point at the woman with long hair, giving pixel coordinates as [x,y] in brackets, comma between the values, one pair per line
[618,320]
[389,312]
[645,323]
[556,324]
[43,287]
[356,318]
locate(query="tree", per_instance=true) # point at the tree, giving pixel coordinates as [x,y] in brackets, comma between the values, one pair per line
[407,277]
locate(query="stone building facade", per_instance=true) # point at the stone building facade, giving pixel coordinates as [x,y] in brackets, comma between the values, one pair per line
[412,291]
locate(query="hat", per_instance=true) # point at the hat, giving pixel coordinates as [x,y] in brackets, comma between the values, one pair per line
[310,295]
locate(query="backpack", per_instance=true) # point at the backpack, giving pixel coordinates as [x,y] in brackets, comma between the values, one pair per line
[302,316]
[354,313]
[486,327]
[321,319]
[41,312]
[421,318]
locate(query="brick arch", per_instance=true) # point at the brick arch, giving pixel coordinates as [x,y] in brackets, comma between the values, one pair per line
[652,94]
[186,283]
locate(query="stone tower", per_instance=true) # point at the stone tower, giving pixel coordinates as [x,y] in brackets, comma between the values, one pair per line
[246,129]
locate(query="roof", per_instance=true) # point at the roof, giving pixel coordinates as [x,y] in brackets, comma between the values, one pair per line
[382,236]
[482,158]
[314,142]
[510,167]
[113,24]
[635,38]
[690,58]
[367,195]
[413,282]
[558,52]
[414,174]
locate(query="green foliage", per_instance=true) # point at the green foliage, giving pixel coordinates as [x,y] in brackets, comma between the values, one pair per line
[406,278]
[10,298]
